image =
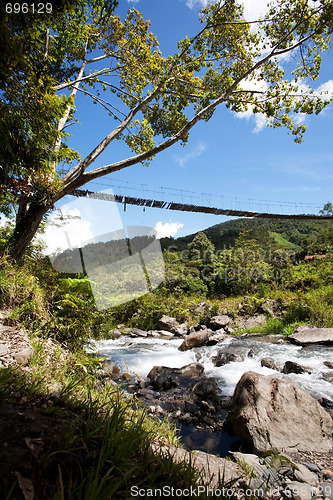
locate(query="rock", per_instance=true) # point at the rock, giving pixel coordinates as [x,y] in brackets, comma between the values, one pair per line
[23,357]
[312,335]
[292,367]
[111,367]
[8,329]
[195,339]
[328,474]
[136,332]
[161,333]
[191,407]
[200,309]
[208,420]
[216,337]
[168,324]
[298,491]
[55,395]
[328,376]
[212,466]
[270,413]
[312,467]
[327,489]
[262,475]
[192,370]
[227,355]
[148,392]
[269,363]
[220,321]
[252,322]
[116,333]
[3,349]
[326,403]
[111,383]
[329,364]
[182,330]
[304,475]
[187,418]
[159,410]
[162,377]
[207,388]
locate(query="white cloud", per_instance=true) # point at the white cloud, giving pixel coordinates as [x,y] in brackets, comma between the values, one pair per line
[253,9]
[260,119]
[303,89]
[200,4]
[60,235]
[167,229]
[3,220]
[192,153]
[133,1]
[326,87]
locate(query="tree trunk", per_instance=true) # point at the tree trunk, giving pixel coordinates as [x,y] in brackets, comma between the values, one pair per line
[26,228]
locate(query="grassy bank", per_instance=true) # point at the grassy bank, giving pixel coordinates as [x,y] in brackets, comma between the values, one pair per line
[64,436]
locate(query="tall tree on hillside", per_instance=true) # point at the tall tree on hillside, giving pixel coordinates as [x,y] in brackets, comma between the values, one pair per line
[155,100]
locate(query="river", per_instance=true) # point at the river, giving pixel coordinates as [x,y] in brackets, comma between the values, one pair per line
[138,355]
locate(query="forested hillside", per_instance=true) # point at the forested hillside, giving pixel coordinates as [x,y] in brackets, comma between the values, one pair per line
[269,233]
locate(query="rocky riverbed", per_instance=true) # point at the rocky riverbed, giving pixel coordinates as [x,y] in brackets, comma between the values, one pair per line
[283,398]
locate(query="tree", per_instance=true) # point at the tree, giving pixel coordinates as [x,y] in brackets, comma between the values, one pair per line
[155,100]
[327,209]
[201,249]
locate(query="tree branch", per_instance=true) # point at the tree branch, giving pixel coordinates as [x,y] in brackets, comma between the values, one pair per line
[79,80]
[81,167]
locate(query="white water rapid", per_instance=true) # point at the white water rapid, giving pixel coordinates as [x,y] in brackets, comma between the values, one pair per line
[139,355]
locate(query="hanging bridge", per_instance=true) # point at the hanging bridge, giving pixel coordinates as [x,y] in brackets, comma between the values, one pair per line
[198,208]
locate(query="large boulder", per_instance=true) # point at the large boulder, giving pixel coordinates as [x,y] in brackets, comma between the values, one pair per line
[227,355]
[292,367]
[216,337]
[272,413]
[220,321]
[269,363]
[171,325]
[207,388]
[164,378]
[305,335]
[195,339]
[137,332]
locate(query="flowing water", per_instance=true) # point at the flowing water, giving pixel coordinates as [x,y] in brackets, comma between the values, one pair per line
[139,355]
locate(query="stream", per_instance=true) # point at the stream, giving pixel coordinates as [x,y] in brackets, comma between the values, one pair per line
[138,355]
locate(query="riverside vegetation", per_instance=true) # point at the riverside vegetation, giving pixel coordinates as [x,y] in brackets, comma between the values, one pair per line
[97,444]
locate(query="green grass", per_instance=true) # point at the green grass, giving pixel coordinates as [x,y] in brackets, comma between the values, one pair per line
[103,448]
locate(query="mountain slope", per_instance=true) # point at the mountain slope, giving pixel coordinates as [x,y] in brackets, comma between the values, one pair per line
[268,232]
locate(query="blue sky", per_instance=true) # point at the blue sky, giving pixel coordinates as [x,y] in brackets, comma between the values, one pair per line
[227,162]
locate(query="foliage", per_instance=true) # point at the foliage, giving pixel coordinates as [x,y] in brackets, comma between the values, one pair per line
[271,234]
[156,100]
[99,443]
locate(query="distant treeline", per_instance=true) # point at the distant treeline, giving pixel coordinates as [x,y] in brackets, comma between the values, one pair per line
[270,233]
